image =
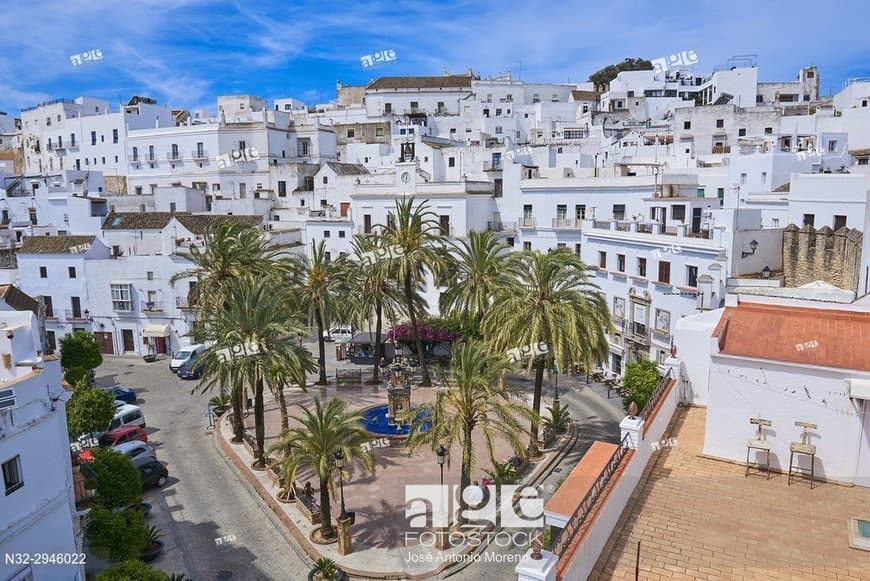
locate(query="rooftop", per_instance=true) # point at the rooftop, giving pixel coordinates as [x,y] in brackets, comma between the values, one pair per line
[698,518]
[444,81]
[841,339]
[56,244]
[348,169]
[18,299]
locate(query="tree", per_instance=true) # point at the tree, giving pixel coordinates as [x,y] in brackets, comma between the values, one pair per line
[257,329]
[318,435]
[477,270]
[602,77]
[88,410]
[316,289]
[116,535]
[132,570]
[119,484]
[415,246]
[470,402]
[548,298]
[640,381]
[79,354]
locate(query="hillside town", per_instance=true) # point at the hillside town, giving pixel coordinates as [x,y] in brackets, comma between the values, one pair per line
[370,253]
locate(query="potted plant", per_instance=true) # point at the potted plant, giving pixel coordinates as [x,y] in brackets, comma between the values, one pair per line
[220,403]
[326,570]
[90,488]
[151,355]
[559,418]
[153,545]
[143,507]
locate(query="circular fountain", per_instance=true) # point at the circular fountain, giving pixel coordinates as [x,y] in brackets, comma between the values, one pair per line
[387,420]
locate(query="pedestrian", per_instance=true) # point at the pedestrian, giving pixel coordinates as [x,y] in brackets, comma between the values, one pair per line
[485,483]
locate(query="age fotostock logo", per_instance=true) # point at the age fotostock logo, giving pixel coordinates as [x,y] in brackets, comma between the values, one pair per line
[440,502]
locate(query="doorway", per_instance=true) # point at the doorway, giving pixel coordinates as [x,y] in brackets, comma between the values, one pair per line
[107,346]
[127,340]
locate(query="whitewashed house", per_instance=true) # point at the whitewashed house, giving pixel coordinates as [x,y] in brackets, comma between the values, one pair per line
[38,506]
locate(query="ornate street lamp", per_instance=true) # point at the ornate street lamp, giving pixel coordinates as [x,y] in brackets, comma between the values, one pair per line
[339,463]
[442,455]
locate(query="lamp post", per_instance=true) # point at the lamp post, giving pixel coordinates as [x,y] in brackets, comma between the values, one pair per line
[339,463]
[555,372]
[440,533]
[442,455]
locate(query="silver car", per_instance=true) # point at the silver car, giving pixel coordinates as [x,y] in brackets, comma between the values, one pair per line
[139,452]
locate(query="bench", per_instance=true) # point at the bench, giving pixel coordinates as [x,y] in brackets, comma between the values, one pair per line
[348,376]
[309,507]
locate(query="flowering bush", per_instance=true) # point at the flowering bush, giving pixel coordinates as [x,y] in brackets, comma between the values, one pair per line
[431,331]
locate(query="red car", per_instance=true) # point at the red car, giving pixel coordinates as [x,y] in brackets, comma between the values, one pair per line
[121,435]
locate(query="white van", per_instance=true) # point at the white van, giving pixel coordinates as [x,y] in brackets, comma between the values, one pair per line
[339,334]
[184,355]
[128,415]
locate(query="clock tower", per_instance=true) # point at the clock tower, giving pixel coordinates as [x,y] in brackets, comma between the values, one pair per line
[406,170]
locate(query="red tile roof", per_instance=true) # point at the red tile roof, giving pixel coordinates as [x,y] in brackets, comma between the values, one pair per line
[822,337]
[566,500]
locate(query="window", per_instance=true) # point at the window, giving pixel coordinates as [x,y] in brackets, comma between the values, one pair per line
[12,475]
[367,223]
[135,153]
[774,222]
[341,234]
[692,276]
[768,130]
[602,259]
[743,179]
[839,222]
[151,153]
[93,137]
[527,245]
[444,222]
[49,307]
[121,300]
[388,108]
[620,262]
[114,136]
[497,188]
[351,133]
[451,162]
[720,123]
[43,272]
[243,145]
[618,211]
[102,160]
[379,132]
[764,177]
[325,179]
[577,248]
[641,267]
[282,189]
[72,271]
[72,139]
[687,125]
[832,145]
[741,132]
[498,129]
[664,272]
[700,192]
[326,233]
[498,112]
[809,220]
[174,148]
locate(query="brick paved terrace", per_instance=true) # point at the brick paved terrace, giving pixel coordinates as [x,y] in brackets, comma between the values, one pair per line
[698,518]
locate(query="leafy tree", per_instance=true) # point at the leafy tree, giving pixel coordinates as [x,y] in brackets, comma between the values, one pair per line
[132,570]
[602,77]
[321,432]
[470,402]
[79,350]
[90,409]
[317,290]
[116,535]
[413,236]
[119,484]
[559,418]
[549,298]
[640,381]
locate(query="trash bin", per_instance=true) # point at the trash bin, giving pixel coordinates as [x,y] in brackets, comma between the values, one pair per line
[339,353]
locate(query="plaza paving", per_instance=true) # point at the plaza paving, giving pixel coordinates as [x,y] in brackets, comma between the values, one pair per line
[698,518]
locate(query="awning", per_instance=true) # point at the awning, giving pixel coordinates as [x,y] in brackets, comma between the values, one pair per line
[859,388]
[155,331]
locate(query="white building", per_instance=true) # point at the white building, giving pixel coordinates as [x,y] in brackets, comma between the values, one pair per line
[37,511]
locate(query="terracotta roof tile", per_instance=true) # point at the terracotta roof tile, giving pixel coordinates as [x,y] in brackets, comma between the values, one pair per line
[585,95]
[444,81]
[55,244]
[18,299]
[136,220]
[348,169]
[197,223]
[821,337]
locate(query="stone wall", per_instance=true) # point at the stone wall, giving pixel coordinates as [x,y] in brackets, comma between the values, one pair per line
[115,184]
[809,255]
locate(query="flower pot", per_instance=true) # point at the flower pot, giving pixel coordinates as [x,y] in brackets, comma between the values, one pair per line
[152,551]
[149,358]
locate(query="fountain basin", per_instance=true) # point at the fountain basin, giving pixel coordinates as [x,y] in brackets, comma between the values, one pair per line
[374,420]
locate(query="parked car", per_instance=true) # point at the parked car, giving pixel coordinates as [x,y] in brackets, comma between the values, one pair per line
[124,394]
[153,474]
[119,404]
[192,369]
[339,334]
[127,415]
[139,452]
[121,435]
[184,355]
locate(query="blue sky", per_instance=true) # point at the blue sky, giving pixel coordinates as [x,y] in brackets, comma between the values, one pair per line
[186,52]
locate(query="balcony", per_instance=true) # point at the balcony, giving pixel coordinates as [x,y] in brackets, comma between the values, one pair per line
[721,149]
[492,166]
[73,315]
[528,222]
[566,224]
[151,306]
[637,333]
[501,226]
[134,160]
[173,156]
[182,303]
[199,154]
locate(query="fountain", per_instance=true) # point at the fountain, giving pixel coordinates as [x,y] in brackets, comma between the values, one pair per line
[383,420]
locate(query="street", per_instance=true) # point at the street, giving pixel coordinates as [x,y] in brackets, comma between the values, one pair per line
[213,526]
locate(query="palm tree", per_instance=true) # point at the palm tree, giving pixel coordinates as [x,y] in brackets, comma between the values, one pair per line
[414,245]
[549,298]
[313,442]
[257,327]
[316,290]
[471,401]
[478,271]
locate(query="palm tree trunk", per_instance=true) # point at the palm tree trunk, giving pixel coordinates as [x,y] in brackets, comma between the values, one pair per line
[379,346]
[465,472]
[238,422]
[321,346]
[536,407]
[282,406]
[259,420]
[409,300]
[326,529]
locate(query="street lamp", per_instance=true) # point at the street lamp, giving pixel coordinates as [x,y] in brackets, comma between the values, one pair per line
[555,372]
[339,463]
[442,455]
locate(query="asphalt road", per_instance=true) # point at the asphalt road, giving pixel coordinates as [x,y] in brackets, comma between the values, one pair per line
[213,526]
